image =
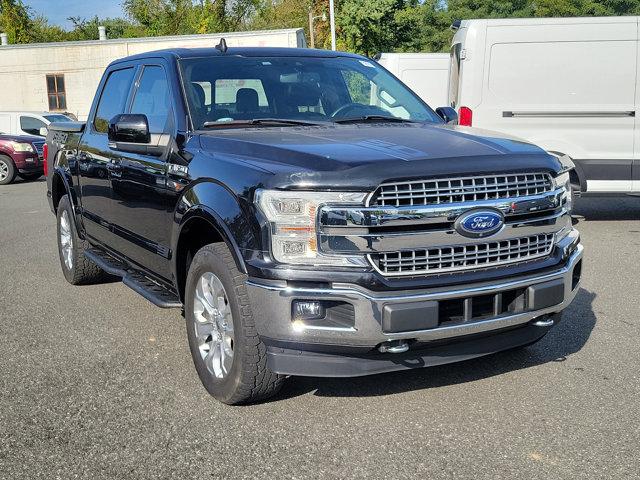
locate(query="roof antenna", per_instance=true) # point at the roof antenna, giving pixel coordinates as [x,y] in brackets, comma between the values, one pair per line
[222,46]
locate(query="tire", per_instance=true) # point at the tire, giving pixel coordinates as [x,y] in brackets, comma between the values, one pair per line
[30,176]
[247,378]
[77,268]
[7,170]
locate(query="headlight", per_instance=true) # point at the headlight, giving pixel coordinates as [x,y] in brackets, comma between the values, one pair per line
[564,181]
[22,147]
[293,217]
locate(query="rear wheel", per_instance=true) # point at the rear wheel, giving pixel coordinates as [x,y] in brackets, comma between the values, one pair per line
[228,355]
[7,170]
[76,267]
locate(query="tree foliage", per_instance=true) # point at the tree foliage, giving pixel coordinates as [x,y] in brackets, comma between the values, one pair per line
[363,26]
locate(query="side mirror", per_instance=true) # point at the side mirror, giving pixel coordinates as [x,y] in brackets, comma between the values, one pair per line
[448,114]
[129,128]
[44,131]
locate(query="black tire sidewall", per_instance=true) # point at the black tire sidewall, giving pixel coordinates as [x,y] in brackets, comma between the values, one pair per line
[12,170]
[222,389]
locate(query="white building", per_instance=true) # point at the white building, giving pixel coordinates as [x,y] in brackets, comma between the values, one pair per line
[64,76]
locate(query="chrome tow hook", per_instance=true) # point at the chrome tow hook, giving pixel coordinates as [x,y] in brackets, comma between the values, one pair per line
[395,346]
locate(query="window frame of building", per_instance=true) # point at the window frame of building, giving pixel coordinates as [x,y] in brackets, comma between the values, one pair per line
[57,94]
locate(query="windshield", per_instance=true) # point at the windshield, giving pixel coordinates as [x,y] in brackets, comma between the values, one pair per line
[311,89]
[57,118]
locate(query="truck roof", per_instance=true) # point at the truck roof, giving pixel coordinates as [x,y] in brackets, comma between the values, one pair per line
[180,53]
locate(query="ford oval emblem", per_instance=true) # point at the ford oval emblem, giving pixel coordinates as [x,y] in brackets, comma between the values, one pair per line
[479,223]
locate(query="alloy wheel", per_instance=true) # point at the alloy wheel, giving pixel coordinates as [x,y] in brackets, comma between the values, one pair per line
[213,325]
[4,171]
[66,240]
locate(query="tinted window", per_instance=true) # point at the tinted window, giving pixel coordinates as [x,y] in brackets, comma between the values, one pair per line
[153,99]
[31,125]
[113,99]
[320,89]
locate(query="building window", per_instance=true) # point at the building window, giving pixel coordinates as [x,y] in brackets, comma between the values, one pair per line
[56,93]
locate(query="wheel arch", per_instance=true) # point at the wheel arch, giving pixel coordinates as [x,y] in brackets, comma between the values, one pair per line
[201,226]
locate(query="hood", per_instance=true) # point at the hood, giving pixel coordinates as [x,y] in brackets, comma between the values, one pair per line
[20,138]
[349,154]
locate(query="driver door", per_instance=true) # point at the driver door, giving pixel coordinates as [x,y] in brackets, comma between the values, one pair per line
[142,203]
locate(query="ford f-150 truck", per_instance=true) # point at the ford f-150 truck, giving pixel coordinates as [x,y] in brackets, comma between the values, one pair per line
[310,215]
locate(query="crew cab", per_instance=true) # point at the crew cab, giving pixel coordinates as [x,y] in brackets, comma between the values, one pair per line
[20,155]
[310,215]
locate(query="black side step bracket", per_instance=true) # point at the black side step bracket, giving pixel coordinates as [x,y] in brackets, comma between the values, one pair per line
[157,294]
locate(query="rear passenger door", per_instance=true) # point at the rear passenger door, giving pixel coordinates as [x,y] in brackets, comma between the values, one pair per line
[142,204]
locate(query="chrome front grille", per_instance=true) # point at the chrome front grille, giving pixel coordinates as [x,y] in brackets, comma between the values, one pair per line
[461,189]
[39,146]
[452,258]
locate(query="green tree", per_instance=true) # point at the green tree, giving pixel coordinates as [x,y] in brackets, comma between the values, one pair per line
[371,26]
[15,21]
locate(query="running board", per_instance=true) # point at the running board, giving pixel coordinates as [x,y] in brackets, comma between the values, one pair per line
[137,281]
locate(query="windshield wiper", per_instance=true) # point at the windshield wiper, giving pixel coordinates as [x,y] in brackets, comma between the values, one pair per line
[261,121]
[374,118]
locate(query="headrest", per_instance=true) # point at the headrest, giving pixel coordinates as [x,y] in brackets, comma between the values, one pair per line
[304,94]
[247,100]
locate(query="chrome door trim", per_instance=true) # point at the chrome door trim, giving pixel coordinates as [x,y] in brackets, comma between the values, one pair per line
[568,114]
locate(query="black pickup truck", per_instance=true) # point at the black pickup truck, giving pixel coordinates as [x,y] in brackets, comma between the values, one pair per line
[310,215]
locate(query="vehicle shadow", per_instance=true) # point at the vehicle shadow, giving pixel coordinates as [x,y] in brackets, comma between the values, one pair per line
[607,208]
[562,341]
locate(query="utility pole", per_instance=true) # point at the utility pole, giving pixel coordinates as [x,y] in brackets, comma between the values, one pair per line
[312,18]
[332,18]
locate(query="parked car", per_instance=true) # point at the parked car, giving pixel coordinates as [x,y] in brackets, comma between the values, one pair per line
[20,155]
[569,85]
[426,74]
[29,123]
[316,218]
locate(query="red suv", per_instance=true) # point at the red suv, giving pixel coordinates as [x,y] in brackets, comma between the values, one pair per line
[20,155]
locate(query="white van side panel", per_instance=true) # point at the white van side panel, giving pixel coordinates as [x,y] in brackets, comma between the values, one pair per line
[425,73]
[568,85]
[5,124]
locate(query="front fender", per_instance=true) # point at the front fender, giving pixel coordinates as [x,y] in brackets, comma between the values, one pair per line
[211,201]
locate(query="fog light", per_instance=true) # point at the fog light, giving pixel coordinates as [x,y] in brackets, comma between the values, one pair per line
[308,310]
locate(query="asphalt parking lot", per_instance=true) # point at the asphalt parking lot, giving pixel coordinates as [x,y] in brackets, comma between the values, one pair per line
[95,382]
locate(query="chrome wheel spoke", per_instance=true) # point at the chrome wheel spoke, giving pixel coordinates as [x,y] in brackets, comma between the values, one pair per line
[66,240]
[213,325]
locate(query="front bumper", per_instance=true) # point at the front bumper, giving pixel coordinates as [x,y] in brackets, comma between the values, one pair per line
[348,350]
[27,162]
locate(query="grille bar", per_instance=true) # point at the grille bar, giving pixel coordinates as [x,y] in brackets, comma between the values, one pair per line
[461,189]
[463,257]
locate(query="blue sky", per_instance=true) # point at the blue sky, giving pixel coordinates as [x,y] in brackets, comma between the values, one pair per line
[57,11]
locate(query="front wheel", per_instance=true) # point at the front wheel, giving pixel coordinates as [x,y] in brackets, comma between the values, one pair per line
[7,170]
[228,355]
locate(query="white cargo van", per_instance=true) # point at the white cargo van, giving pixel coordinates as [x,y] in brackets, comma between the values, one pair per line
[566,84]
[424,73]
[29,123]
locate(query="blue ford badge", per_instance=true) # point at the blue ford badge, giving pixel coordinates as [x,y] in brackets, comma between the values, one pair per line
[479,223]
